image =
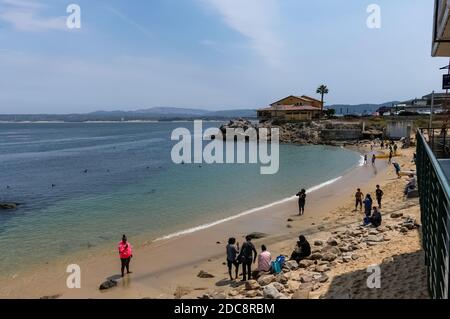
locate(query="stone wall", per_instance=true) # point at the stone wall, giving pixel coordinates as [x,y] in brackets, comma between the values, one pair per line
[340,134]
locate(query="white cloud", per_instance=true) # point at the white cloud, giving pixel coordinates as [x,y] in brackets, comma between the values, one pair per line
[254,19]
[131,22]
[24,15]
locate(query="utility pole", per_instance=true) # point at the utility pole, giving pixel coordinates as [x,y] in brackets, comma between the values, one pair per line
[431,111]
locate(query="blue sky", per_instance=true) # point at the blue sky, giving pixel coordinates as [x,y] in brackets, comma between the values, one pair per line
[211,54]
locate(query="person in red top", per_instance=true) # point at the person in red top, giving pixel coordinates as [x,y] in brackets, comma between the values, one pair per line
[125,253]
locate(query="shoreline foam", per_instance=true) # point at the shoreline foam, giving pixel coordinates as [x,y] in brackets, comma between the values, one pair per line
[244,213]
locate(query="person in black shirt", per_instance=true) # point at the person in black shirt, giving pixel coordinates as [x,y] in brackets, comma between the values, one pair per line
[247,256]
[376,218]
[302,250]
[232,252]
[301,201]
[379,194]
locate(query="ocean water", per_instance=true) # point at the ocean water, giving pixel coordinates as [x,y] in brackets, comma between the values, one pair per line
[84,185]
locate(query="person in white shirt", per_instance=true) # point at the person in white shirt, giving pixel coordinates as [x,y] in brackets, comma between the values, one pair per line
[264,260]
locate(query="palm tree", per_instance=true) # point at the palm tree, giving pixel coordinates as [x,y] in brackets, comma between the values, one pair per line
[322,90]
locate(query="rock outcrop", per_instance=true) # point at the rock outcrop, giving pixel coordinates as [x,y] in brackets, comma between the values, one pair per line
[8,206]
[316,132]
[299,280]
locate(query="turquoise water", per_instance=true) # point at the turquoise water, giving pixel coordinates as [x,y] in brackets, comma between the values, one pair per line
[115,178]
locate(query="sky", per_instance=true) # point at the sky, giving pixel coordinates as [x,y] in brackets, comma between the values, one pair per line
[211,54]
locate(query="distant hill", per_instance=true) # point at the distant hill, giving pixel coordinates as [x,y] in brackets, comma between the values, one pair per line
[173,113]
[358,109]
[151,114]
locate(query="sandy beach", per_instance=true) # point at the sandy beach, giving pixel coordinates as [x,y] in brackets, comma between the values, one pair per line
[168,268]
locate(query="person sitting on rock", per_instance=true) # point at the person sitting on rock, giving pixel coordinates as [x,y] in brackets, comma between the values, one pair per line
[264,260]
[232,252]
[376,218]
[412,184]
[302,250]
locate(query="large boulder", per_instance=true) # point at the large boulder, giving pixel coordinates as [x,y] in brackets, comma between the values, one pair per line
[329,257]
[375,238]
[291,265]
[333,241]
[204,274]
[305,263]
[251,285]
[396,215]
[304,279]
[266,279]
[257,235]
[323,278]
[322,268]
[316,256]
[108,284]
[331,250]
[270,292]
[282,279]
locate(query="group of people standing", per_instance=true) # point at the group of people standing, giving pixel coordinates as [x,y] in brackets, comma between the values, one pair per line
[374,158]
[372,213]
[246,255]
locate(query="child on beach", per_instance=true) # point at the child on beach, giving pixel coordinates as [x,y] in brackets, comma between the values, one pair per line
[232,252]
[302,250]
[368,205]
[264,261]
[301,201]
[373,159]
[397,169]
[358,199]
[247,256]
[379,194]
[125,253]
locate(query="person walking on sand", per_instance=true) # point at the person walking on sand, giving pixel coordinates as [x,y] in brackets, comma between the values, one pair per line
[379,194]
[232,253]
[247,256]
[395,148]
[301,201]
[397,169]
[358,199]
[374,158]
[365,159]
[264,260]
[390,158]
[368,205]
[125,253]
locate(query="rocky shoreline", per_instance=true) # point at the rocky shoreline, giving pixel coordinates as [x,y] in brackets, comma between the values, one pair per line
[326,132]
[299,280]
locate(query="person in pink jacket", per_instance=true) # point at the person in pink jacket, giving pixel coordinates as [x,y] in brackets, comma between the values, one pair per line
[125,253]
